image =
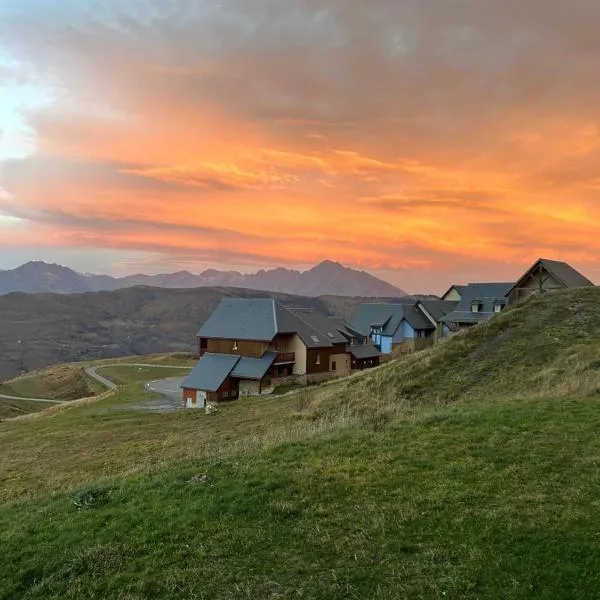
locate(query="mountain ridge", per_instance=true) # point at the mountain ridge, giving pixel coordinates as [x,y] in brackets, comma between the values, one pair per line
[324,279]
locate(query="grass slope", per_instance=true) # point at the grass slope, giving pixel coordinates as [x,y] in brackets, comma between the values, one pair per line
[69,381]
[376,486]
[549,345]
[472,501]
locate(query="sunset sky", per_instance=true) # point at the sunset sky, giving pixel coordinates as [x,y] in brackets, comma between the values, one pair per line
[426,141]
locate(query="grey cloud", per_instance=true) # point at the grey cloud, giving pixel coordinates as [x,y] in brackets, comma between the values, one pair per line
[431,70]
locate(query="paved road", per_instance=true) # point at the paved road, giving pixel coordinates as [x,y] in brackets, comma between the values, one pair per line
[169,388]
[170,391]
[92,371]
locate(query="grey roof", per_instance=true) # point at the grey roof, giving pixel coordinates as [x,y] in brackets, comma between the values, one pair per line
[389,316]
[242,319]
[487,294]
[261,319]
[459,288]
[563,272]
[254,368]
[364,350]
[210,372]
[323,327]
[438,309]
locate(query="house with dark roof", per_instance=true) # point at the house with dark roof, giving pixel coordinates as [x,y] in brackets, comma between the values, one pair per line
[435,311]
[455,293]
[394,327]
[248,346]
[547,275]
[478,302]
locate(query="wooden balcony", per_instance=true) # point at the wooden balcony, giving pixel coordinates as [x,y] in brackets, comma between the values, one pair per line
[285,358]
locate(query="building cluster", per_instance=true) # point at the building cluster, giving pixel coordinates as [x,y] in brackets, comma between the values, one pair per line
[249,347]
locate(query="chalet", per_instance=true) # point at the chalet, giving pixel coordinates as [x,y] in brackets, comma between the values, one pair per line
[394,327]
[455,293]
[478,302]
[435,311]
[248,346]
[547,275]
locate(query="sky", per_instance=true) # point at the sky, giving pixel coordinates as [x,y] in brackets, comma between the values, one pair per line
[427,142]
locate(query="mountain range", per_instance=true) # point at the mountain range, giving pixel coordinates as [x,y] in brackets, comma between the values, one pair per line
[326,278]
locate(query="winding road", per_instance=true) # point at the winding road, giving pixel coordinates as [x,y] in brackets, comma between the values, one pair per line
[167,387]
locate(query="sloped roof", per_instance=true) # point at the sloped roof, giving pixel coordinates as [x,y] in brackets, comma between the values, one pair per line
[254,368]
[364,350]
[459,288]
[563,272]
[439,308]
[210,372]
[322,326]
[261,319]
[242,319]
[487,294]
[388,316]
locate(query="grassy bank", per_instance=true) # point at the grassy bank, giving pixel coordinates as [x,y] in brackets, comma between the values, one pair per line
[468,471]
[469,501]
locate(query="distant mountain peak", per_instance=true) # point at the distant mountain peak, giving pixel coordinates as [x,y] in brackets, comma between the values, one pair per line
[328,278]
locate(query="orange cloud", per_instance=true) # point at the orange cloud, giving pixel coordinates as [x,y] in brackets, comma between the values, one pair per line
[416,136]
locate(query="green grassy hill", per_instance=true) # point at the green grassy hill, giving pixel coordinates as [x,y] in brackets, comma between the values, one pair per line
[469,471]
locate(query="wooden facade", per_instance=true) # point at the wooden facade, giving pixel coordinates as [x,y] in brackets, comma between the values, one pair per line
[536,281]
[360,364]
[249,349]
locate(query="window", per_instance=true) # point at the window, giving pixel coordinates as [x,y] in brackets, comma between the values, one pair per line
[235,346]
[476,306]
[333,365]
[420,333]
[318,359]
[498,308]
[225,394]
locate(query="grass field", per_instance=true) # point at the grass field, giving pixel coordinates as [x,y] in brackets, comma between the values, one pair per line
[470,501]
[127,375]
[69,382]
[469,471]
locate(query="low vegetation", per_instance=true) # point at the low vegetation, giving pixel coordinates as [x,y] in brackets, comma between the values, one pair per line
[469,471]
[69,381]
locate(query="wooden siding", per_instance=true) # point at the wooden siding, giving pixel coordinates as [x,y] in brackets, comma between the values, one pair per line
[359,364]
[244,348]
[537,281]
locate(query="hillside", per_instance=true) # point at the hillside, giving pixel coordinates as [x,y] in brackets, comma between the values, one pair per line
[45,329]
[548,345]
[326,278]
[469,471]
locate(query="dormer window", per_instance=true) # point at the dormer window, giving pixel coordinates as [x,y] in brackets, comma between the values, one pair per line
[498,307]
[476,306]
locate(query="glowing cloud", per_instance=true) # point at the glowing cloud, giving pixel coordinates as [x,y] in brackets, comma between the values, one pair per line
[434,138]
